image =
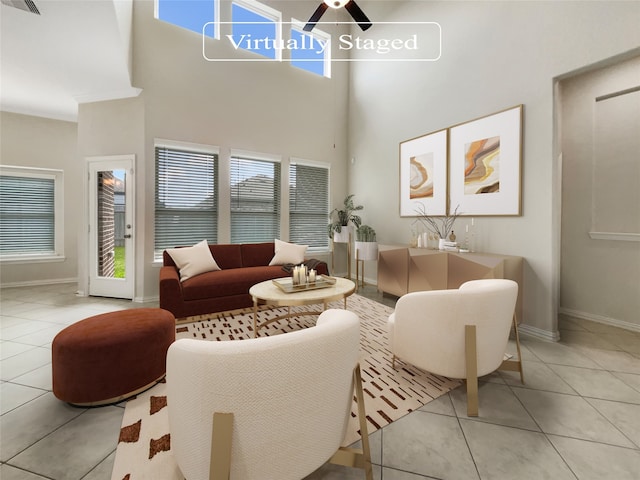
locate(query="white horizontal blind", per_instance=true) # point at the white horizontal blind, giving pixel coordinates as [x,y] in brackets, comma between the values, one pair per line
[309,205]
[255,200]
[186,201]
[27,215]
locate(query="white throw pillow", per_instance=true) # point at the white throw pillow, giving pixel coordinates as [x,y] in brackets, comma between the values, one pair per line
[192,261]
[288,253]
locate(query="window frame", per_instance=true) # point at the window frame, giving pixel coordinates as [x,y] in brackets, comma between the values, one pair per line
[57,176]
[215,22]
[189,147]
[298,26]
[264,11]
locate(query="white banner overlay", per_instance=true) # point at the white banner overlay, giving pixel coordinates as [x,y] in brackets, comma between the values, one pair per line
[389,42]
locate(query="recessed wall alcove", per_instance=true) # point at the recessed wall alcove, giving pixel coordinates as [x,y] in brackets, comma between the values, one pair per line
[598,124]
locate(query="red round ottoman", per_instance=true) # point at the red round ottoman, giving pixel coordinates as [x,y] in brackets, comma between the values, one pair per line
[107,358]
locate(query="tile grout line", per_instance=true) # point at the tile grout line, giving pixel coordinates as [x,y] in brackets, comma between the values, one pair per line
[85,410]
[466,441]
[546,437]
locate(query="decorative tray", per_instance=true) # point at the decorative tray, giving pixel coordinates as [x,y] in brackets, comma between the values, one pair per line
[286,285]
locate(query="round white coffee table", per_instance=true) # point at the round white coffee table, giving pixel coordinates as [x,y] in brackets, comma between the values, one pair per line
[268,293]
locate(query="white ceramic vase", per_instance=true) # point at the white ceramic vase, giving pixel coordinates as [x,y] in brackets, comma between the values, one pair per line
[343,235]
[367,250]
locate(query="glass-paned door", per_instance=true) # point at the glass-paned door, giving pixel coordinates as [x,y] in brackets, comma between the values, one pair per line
[111,227]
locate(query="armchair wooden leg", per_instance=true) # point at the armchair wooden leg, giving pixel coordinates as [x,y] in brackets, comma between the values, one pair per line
[515,327]
[514,365]
[364,431]
[471,358]
[220,458]
[352,457]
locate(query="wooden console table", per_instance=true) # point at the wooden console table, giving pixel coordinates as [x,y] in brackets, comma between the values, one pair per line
[403,269]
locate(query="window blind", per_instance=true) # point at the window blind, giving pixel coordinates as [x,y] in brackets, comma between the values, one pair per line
[255,200]
[186,205]
[27,215]
[309,206]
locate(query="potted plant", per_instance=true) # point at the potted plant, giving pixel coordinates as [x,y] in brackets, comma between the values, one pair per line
[366,244]
[345,216]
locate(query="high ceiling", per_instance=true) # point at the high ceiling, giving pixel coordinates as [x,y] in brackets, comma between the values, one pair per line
[73,52]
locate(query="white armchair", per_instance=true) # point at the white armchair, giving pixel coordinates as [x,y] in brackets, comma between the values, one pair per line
[459,333]
[267,408]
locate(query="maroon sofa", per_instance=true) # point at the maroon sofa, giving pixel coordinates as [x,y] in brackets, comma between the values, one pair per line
[242,266]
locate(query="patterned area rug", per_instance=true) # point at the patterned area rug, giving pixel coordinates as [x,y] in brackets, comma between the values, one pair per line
[144,448]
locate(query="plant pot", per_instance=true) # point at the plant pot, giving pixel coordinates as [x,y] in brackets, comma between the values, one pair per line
[343,235]
[366,250]
[441,242]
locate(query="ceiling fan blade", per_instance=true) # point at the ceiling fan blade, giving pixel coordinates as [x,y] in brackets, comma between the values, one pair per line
[358,15]
[315,17]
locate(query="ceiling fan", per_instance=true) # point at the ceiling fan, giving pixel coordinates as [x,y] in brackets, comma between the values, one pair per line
[26,5]
[351,6]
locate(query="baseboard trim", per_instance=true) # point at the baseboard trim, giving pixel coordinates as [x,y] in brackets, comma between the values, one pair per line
[79,293]
[146,299]
[371,281]
[614,322]
[37,283]
[534,332]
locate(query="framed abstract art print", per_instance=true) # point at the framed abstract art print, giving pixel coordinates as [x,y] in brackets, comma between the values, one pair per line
[423,175]
[485,158]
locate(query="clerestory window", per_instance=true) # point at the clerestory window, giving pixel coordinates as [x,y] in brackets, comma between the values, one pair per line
[310,51]
[256,28]
[190,14]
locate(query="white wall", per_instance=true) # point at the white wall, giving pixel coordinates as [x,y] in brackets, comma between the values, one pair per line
[600,279]
[38,142]
[495,55]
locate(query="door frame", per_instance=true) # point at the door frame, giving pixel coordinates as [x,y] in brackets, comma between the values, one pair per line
[126,289]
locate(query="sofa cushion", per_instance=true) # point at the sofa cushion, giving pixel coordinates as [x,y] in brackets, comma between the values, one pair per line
[192,261]
[235,281]
[227,255]
[257,254]
[288,253]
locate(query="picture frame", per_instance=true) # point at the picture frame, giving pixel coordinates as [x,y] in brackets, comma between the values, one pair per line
[423,174]
[485,163]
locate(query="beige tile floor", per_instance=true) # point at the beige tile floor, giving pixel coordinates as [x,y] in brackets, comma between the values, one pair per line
[577,416]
